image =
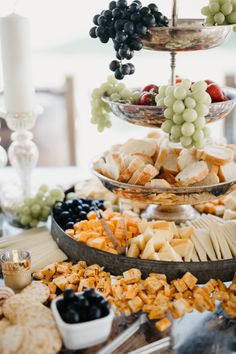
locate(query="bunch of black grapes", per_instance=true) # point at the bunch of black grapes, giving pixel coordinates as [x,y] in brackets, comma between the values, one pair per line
[126,25]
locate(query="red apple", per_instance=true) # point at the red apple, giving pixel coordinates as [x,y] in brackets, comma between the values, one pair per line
[217,95]
[146,99]
[151,88]
[209,82]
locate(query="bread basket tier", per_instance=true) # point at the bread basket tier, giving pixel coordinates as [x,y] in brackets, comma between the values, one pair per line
[153,117]
[188,35]
[166,196]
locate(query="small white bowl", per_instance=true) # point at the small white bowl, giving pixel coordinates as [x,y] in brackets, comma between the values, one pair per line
[83,335]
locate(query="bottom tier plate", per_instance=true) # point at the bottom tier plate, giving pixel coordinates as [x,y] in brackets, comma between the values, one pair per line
[114,264]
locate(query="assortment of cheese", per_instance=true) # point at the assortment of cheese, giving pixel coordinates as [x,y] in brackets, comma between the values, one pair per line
[155,162]
[224,207]
[92,233]
[206,238]
[129,293]
[39,243]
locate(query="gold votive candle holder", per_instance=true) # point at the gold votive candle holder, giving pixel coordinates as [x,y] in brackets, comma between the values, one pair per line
[16,269]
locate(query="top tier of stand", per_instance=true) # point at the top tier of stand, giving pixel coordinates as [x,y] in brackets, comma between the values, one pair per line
[188,35]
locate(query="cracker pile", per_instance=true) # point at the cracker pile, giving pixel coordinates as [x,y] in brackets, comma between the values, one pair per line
[27,326]
[156,163]
[128,293]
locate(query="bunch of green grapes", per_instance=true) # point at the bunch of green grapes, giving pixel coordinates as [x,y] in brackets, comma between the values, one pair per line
[186,106]
[38,208]
[220,12]
[117,92]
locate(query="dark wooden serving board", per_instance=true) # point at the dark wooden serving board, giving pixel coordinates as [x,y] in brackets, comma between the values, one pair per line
[116,265]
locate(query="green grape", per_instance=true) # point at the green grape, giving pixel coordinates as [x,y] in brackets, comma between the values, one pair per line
[226,8]
[210,20]
[214,8]
[170,91]
[168,113]
[231,18]
[219,18]
[200,123]
[35,210]
[186,142]
[190,102]
[180,93]
[111,80]
[178,107]
[202,110]
[26,211]
[135,97]
[39,197]
[205,11]
[160,102]
[189,115]
[46,211]
[166,126]
[25,220]
[49,201]
[108,124]
[178,119]
[176,132]
[199,86]
[198,135]
[57,194]
[162,90]
[169,101]
[188,129]
[199,144]
[115,97]
[186,83]
[200,96]
[126,94]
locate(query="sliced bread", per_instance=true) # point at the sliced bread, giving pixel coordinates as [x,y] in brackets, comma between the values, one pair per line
[144,146]
[227,172]
[217,155]
[186,157]
[193,173]
[209,180]
[170,164]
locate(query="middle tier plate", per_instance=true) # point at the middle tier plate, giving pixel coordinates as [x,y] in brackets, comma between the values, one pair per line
[167,196]
[153,117]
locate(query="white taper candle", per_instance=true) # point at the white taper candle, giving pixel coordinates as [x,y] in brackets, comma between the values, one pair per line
[17,64]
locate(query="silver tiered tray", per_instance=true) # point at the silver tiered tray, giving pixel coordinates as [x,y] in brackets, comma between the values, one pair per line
[186,35]
[167,203]
[153,117]
[115,264]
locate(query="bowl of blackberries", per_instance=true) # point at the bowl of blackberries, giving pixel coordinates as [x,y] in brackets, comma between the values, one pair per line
[84,319]
[69,212]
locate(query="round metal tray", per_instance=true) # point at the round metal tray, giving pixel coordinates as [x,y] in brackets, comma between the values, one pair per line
[167,196]
[152,116]
[114,264]
[188,35]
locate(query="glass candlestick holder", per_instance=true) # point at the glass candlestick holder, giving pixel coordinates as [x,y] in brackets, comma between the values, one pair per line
[23,153]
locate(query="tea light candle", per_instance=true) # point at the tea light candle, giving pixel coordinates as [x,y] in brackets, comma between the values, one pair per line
[16,269]
[17,64]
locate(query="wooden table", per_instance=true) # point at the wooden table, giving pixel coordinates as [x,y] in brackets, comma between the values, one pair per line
[194,334]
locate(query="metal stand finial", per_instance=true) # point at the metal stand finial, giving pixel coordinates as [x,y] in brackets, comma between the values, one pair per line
[173,53]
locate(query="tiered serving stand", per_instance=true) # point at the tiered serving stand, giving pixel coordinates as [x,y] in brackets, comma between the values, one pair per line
[174,203]
[164,203]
